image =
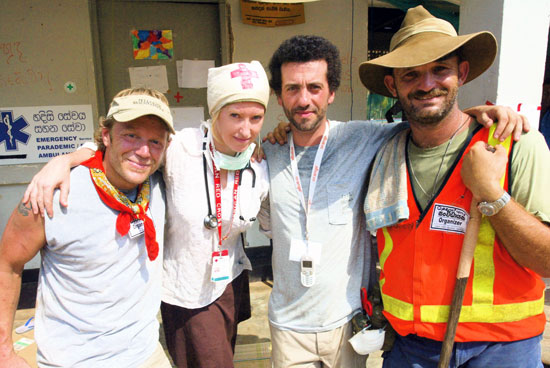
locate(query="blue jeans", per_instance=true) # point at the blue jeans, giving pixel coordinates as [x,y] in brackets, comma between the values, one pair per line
[418,352]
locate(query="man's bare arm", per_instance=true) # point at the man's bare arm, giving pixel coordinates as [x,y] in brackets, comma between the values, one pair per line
[524,236]
[56,174]
[23,237]
[509,122]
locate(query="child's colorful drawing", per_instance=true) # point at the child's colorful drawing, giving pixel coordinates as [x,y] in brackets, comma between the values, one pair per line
[152,44]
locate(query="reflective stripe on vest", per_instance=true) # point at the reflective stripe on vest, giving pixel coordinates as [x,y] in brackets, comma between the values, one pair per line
[483,309]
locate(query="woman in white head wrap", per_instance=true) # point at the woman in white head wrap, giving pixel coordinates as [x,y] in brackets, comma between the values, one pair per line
[200,316]
[213,194]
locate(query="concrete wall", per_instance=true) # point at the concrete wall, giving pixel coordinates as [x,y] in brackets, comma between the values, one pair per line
[57,38]
[344,22]
[516,76]
[44,45]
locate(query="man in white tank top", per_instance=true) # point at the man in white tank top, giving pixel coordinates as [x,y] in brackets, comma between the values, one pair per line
[99,288]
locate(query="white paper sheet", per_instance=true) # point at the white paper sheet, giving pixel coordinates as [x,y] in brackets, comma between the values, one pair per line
[193,73]
[149,77]
[187,117]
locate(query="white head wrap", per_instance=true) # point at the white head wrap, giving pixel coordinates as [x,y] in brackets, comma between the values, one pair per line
[236,82]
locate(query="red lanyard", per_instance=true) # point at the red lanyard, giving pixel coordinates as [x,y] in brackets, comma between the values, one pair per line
[218,198]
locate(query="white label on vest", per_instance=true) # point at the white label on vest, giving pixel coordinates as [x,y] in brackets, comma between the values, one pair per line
[449,219]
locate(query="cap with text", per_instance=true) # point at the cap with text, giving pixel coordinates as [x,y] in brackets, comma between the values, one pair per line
[127,108]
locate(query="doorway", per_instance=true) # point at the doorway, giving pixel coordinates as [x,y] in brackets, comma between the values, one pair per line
[195,32]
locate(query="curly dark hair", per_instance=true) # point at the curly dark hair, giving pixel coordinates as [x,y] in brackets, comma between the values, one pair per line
[302,49]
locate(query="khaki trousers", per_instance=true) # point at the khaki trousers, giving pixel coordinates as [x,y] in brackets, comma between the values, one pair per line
[330,349]
[157,360]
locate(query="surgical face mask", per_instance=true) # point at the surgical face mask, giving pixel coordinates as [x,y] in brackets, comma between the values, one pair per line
[367,341]
[237,162]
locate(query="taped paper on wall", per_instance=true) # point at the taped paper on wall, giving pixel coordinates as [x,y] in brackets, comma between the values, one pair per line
[193,73]
[149,77]
[187,117]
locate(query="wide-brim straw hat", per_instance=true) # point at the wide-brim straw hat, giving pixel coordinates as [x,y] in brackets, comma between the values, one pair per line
[423,38]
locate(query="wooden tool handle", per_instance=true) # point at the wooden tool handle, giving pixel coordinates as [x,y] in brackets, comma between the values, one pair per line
[462,274]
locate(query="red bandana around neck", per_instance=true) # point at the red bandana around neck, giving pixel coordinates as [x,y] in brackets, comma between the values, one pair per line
[128,210]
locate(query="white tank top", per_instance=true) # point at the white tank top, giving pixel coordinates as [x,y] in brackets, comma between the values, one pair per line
[98,293]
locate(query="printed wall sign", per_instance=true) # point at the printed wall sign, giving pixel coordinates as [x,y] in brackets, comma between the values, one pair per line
[36,134]
[271,14]
[153,44]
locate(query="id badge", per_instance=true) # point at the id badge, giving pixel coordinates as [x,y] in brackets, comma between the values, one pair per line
[220,266]
[299,248]
[137,228]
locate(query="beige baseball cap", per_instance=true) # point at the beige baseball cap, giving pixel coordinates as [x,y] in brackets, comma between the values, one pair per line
[127,108]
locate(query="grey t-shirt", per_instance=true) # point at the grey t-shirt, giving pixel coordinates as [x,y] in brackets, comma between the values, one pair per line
[336,221]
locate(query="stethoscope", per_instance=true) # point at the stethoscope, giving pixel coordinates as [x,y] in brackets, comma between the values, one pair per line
[210,221]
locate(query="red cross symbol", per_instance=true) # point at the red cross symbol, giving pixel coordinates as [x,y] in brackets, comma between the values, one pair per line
[246,75]
[178,97]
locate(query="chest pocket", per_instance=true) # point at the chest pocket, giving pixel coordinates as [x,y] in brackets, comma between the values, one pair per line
[340,201]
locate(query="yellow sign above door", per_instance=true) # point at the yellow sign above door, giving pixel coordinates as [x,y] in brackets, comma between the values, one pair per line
[271,14]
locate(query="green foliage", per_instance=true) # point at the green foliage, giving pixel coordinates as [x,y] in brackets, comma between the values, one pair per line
[378,105]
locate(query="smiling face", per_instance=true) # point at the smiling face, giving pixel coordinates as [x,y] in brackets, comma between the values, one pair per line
[134,150]
[428,92]
[305,94]
[238,124]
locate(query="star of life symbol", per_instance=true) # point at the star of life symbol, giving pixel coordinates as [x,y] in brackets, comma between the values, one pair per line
[246,75]
[11,131]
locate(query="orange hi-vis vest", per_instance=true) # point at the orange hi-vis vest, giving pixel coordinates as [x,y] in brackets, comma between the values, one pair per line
[419,258]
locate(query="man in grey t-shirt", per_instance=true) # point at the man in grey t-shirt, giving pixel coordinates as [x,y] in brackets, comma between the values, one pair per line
[314,215]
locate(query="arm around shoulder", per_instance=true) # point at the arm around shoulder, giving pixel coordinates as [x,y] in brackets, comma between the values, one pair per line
[509,121]
[55,174]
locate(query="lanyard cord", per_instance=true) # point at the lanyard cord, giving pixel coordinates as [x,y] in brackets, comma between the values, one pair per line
[314,173]
[218,198]
[208,193]
[217,192]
